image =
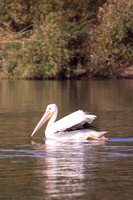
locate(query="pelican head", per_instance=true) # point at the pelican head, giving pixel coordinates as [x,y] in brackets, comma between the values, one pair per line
[51,110]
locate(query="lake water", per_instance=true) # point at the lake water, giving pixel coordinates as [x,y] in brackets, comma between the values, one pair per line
[35,169]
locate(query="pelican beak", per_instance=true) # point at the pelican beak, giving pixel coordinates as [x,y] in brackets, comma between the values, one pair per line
[44,118]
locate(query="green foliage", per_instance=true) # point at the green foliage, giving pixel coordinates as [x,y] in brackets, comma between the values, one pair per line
[17,15]
[48,38]
[112,39]
[46,54]
[62,38]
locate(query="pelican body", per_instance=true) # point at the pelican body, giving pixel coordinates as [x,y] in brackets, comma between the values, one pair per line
[69,127]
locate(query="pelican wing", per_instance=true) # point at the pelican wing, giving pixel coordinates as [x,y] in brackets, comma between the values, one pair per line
[72,121]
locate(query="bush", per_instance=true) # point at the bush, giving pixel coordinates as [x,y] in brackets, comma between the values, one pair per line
[46,53]
[112,41]
[56,47]
[45,38]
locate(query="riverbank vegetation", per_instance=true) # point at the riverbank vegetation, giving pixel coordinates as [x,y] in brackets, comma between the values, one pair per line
[63,38]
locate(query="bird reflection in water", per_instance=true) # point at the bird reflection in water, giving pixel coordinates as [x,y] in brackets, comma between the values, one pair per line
[66,168]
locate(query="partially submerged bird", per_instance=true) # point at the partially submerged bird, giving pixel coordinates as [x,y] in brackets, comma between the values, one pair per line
[69,127]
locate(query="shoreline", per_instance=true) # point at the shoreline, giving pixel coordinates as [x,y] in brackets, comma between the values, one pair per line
[121,71]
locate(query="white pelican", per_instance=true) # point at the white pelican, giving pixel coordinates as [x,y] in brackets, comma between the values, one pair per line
[69,127]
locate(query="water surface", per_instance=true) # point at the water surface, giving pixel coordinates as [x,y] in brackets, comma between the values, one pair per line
[40,169]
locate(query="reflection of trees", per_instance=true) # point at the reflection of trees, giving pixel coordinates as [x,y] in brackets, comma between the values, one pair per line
[109,99]
[68,95]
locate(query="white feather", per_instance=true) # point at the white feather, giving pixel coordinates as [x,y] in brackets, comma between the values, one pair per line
[72,121]
[68,127]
